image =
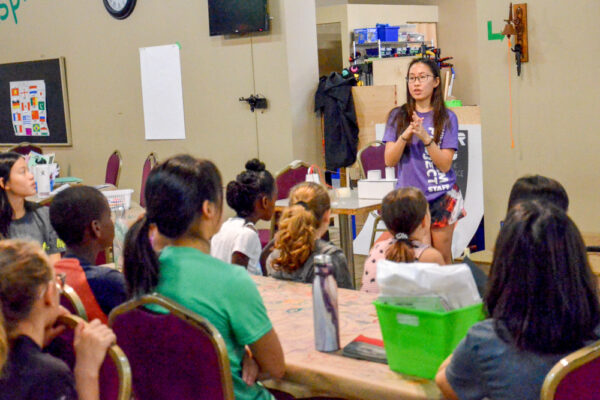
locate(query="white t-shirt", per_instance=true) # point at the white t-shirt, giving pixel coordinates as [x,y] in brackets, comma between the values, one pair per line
[237,235]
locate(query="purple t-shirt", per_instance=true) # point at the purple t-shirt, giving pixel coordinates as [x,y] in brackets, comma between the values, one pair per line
[416,167]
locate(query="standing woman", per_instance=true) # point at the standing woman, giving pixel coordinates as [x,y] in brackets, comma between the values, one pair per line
[421,138]
[184,199]
[21,219]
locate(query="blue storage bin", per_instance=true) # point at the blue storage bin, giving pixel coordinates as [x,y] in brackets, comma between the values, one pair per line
[372,35]
[360,35]
[387,33]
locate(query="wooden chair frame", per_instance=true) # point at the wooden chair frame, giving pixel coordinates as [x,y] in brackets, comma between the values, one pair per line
[72,297]
[363,173]
[567,365]
[115,353]
[118,154]
[191,318]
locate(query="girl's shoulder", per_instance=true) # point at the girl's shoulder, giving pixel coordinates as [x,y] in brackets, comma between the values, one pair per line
[451,115]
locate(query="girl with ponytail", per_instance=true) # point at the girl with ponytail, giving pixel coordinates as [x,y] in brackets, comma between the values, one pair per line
[252,195]
[405,213]
[184,203]
[298,239]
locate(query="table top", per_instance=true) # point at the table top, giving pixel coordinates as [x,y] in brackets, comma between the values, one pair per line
[343,205]
[289,305]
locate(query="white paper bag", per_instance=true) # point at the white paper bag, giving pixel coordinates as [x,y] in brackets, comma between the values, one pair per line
[454,284]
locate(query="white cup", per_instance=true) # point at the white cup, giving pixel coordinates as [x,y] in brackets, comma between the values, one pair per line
[374,175]
[390,173]
[43,175]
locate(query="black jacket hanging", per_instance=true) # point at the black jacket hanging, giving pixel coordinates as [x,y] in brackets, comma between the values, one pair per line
[334,100]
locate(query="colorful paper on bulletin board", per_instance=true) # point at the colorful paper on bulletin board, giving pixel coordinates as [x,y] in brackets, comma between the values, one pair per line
[28,108]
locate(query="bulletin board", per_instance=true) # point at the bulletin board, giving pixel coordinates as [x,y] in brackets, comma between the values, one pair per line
[34,105]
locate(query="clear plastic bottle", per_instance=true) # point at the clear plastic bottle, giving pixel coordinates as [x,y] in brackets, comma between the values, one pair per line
[120,231]
[325,306]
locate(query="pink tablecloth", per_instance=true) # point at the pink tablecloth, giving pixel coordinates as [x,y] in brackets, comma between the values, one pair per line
[290,308]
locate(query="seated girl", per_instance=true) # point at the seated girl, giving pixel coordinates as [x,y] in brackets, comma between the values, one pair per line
[184,202]
[298,239]
[29,293]
[405,213]
[19,218]
[252,195]
[542,300]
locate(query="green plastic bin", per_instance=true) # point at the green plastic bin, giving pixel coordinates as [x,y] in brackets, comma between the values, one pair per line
[417,342]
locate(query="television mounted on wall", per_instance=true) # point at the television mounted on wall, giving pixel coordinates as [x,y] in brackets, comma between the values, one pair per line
[230,17]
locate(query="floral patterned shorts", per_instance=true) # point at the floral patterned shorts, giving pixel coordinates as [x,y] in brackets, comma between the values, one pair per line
[447,209]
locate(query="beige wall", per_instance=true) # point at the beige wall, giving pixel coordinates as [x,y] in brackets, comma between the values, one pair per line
[103,75]
[555,106]
[457,36]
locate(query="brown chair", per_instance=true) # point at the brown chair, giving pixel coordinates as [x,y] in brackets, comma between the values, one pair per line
[149,163]
[115,372]
[113,168]
[174,355]
[70,300]
[25,148]
[575,377]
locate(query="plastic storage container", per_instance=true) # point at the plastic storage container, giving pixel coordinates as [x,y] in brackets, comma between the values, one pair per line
[118,198]
[417,342]
[387,33]
[365,35]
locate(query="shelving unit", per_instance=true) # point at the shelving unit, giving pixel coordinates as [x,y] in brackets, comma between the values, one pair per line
[379,44]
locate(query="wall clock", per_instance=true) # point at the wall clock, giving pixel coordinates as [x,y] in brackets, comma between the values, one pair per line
[120,9]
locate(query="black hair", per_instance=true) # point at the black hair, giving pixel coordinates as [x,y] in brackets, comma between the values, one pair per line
[175,193]
[532,187]
[73,210]
[249,186]
[7,160]
[541,290]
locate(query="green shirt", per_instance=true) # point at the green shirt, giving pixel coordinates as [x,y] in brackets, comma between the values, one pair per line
[226,296]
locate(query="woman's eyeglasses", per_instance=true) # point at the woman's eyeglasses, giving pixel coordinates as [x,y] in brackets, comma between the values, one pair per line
[420,78]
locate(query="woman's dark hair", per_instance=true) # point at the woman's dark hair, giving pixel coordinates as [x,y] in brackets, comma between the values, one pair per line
[7,160]
[252,184]
[402,211]
[532,187]
[541,290]
[175,193]
[440,113]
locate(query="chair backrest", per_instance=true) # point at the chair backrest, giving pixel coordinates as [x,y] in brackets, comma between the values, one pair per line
[371,157]
[70,300]
[149,163]
[174,355]
[575,377]
[25,148]
[290,176]
[115,372]
[113,168]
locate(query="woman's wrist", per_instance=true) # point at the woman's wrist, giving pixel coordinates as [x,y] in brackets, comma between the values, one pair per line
[428,144]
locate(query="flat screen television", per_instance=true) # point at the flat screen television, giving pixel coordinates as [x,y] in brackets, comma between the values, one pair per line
[228,17]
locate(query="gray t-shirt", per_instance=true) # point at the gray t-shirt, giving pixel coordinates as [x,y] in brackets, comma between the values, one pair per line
[306,274]
[485,366]
[35,225]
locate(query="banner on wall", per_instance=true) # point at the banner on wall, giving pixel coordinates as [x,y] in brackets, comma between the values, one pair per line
[28,108]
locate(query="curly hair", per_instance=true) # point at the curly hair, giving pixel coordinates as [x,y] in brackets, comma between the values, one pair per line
[250,185]
[298,224]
